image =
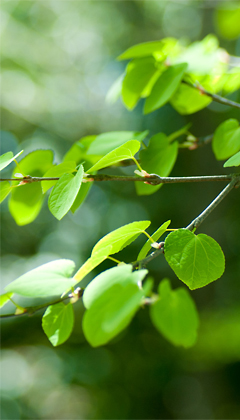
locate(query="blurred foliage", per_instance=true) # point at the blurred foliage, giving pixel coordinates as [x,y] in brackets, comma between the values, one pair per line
[58,62]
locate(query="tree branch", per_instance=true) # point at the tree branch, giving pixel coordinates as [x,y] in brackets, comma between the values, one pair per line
[213,96]
[152,179]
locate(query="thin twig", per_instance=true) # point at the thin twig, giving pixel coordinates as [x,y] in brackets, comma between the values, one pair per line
[213,96]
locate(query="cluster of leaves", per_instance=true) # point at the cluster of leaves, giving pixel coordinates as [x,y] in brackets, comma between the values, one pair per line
[112,298]
[159,72]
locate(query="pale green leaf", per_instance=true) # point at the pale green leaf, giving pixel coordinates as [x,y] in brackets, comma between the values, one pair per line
[165,87]
[197,260]
[64,193]
[159,49]
[156,235]
[5,298]
[7,158]
[111,313]
[106,142]
[57,322]
[55,172]
[115,90]
[47,280]
[175,315]
[227,18]
[126,151]
[121,274]
[158,158]
[226,139]
[121,237]
[233,161]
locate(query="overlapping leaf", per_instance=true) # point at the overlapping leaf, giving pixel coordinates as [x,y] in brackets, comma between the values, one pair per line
[156,235]
[7,158]
[55,172]
[106,142]
[175,315]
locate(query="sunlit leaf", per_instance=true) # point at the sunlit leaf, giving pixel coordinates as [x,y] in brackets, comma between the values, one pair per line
[57,322]
[233,161]
[159,49]
[197,260]
[5,298]
[156,235]
[121,237]
[188,100]
[227,18]
[92,262]
[5,189]
[47,280]
[55,172]
[7,158]
[64,193]
[77,152]
[175,315]
[126,151]
[122,275]
[165,87]
[226,139]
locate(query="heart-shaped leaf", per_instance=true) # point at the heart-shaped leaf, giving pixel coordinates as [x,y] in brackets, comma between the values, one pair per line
[57,322]
[226,139]
[197,260]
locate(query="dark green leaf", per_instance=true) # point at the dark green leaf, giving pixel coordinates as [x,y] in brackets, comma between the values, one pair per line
[57,323]
[64,193]
[197,260]
[165,87]
[175,315]
[47,280]
[159,158]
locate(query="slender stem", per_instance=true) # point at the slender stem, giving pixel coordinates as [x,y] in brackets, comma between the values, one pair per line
[202,216]
[213,96]
[153,179]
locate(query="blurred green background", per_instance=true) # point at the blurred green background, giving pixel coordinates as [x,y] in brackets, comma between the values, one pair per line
[58,62]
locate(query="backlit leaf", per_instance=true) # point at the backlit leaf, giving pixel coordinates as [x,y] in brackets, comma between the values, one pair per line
[5,189]
[7,158]
[188,100]
[106,142]
[156,235]
[64,193]
[55,172]
[126,151]
[226,139]
[57,323]
[5,298]
[121,237]
[159,49]
[92,262]
[197,260]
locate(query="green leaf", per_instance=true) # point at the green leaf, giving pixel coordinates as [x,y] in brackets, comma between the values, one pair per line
[97,258]
[165,87]
[226,139]
[175,315]
[106,142]
[115,90]
[26,200]
[227,18]
[5,298]
[139,74]
[111,312]
[81,196]
[122,275]
[126,151]
[159,49]
[57,171]
[159,158]
[7,158]
[57,323]
[64,193]
[47,280]
[188,100]
[232,80]
[197,260]
[121,237]
[233,161]
[157,234]
[5,189]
